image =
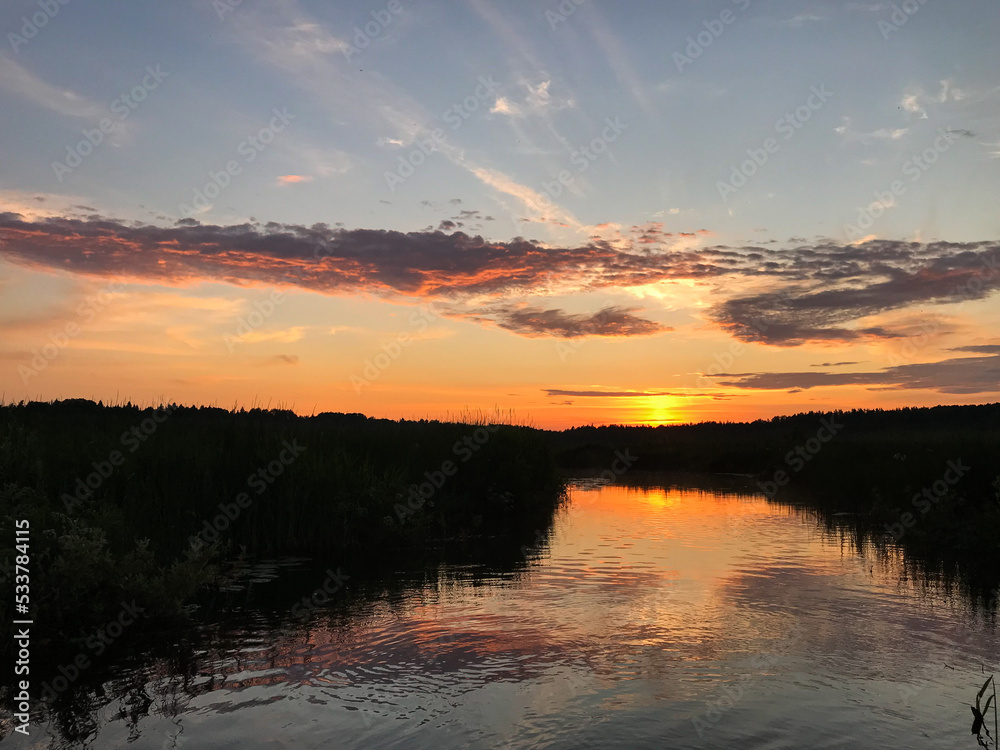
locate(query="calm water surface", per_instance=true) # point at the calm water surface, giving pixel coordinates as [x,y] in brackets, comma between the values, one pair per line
[653,616]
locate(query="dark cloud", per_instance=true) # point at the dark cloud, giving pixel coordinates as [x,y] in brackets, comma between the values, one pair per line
[446,225]
[835,364]
[610,394]
[979,349]
[790,321]
[333,260]
[850,283]
[610,321]
[282,359]
[821,291]
[955,376]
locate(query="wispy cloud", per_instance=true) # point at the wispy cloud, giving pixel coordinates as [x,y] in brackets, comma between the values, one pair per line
[880,134]
[596,393]
[538,100]
[285,336]
[618,58]
[529,320]
[282,359]
[288,38]
[540,206]
[801,19]
[964,375]
[19,80]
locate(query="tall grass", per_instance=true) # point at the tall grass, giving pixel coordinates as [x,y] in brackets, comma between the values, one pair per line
[980,713]
[342,490]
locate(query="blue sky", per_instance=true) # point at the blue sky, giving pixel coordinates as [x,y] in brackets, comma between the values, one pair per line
[685,128]
[510,96]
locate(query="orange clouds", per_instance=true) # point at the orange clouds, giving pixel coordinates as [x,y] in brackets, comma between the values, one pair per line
[816,292]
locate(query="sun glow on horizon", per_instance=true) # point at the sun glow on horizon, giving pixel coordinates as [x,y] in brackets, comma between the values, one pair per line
[661,410]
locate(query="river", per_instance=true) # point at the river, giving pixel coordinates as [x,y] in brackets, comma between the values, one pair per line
[660,614]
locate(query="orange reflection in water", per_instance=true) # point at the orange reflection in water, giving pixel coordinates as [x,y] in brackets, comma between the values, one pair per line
[655,595]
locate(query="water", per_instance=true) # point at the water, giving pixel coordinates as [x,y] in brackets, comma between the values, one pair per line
[647,616]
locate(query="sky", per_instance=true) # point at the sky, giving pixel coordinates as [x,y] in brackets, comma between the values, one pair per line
[577,212]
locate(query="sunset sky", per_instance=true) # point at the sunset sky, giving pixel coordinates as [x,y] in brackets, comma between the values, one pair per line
[584,212]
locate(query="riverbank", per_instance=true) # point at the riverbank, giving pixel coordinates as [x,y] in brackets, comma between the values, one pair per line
[128,503]
[149,504]
[926,479]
